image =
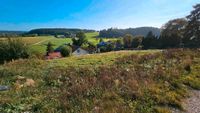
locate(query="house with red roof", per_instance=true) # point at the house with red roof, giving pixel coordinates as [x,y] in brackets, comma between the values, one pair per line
[54,55]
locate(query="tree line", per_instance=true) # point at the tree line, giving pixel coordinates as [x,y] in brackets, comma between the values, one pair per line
[57,31]
[116,33]
[183,32]
[176,33]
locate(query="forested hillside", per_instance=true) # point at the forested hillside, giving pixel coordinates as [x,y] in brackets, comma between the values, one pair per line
[57,31]
[10,33]
[114,32]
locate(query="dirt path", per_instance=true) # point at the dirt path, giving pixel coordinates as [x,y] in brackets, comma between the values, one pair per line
[192,104]
[42,41]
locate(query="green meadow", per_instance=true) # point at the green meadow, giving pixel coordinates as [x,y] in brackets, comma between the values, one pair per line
[38,44]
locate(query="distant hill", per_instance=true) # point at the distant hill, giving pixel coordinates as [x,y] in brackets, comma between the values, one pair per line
[11,33]
[113,32]
[57,31]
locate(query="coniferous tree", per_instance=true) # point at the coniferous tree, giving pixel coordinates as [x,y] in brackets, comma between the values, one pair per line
[50,48]
[150,41]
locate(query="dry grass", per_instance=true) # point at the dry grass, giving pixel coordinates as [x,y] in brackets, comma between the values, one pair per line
[143,82]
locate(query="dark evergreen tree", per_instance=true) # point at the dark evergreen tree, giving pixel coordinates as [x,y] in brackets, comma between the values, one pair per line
[150,41]
[50,48]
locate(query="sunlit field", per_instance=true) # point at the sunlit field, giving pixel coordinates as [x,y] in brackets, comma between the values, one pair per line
[39,43]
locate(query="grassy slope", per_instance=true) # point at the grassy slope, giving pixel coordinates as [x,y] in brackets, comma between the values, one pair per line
[111,82]
[38,44]
[41,47]
[96,59]
[93,37]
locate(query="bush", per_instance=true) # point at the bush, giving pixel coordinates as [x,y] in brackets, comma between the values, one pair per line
[13,49]
[66,51]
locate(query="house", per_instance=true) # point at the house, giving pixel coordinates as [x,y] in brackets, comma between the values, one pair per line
[80,51]
[72,35]
[100,44]
[76,50]
[105,46]
[60,36]
[54,55]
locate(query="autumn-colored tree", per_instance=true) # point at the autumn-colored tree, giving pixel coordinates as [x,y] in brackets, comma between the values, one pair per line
[192,32]
[172,33]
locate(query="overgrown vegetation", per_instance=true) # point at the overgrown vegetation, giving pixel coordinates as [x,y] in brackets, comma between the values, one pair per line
[66,51]
[139,83]
[12,49]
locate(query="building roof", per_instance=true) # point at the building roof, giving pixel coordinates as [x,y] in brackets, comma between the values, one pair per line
[102,43]
[54,55]
[80,51]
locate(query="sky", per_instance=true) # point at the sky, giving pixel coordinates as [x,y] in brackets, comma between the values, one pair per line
[90,14]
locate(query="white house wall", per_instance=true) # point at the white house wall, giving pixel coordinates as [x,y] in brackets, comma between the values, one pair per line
[79,52]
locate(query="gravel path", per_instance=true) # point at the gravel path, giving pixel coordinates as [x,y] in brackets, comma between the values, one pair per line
[192,104]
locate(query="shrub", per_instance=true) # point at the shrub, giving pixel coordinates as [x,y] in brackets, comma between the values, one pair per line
[13,49]
[66,51]
[187,68]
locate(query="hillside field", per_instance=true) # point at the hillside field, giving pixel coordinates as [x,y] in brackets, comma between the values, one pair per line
[150,81]
[38,44]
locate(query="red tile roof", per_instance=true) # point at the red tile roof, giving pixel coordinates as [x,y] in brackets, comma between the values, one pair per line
[54,55]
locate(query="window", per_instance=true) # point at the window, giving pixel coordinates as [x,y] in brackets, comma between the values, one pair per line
[78,50]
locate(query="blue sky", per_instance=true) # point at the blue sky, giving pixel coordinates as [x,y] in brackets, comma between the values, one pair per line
[90,14]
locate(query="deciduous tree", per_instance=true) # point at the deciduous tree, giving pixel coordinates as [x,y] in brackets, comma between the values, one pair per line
[80,39]
[128,40]
[192,33]
[137,41]
[172,33]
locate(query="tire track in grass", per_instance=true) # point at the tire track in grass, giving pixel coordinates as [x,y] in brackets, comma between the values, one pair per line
[43,41]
